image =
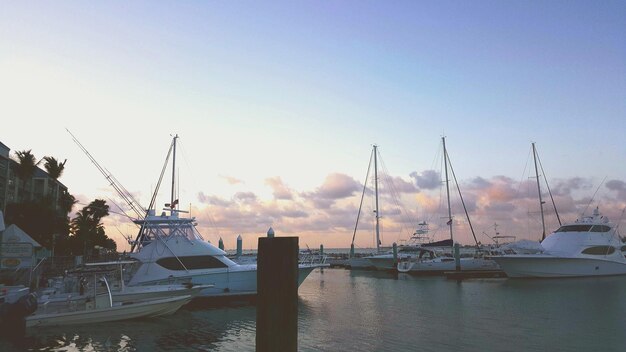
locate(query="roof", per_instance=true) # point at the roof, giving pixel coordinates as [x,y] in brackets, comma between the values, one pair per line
[15,234]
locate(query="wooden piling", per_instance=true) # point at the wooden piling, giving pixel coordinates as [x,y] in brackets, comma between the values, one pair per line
[457,256]
[277,294]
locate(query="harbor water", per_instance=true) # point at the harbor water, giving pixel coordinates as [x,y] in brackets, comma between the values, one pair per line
[342,310]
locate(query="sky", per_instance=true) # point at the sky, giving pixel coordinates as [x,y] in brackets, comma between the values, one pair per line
[278,104]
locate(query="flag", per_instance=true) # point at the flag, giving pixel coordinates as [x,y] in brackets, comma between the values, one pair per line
[449,222]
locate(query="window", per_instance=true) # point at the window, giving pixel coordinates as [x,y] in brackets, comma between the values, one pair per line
[195,262]
[600,228]
[574,228]
[599,250]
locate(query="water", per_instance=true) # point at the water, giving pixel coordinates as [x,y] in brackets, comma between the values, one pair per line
[341,310]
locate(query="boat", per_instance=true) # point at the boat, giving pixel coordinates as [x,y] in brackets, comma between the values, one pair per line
[103,309]
[432,262]
[589,246]
[169,250]
[78,286]
[362,260]
[411,249]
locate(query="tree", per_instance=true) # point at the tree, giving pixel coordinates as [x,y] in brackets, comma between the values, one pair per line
[87,229]
[55,170]
[24,169]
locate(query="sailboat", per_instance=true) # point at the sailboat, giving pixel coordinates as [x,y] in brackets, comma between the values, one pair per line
[169,249]
[429,261]
[361,262]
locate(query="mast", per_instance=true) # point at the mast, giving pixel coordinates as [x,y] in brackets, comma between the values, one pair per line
[376,195]
[445,161]
[543,223]
[172,204]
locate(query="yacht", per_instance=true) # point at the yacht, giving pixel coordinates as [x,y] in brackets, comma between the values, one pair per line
[169,250]
[590,246]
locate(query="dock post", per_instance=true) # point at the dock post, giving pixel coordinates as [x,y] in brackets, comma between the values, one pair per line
[457,257]
[239,246]
[395,254]
[277,294]
[321,250]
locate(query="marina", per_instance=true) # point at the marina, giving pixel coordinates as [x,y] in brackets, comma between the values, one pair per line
[377,311]
[192,176]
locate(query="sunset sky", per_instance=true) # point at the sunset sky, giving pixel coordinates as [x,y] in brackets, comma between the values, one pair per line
[278,105]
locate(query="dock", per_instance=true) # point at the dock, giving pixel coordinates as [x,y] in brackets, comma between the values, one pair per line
[474,274]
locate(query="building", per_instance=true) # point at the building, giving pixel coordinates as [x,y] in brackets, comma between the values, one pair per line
[39,186]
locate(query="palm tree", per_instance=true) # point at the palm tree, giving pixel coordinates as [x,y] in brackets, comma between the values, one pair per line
[55,170]
[25,168]
[88,229]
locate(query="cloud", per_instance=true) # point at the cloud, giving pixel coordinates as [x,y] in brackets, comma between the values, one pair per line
[327,213]
[428,179]
[567,186]
[336,186]
[398,184]
[213,200]
[231,180]
[618,187]
[245,197]
[279,189]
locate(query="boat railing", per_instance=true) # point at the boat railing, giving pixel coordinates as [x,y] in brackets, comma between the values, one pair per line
[312,258]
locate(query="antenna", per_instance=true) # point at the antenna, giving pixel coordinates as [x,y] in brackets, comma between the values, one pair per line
[117,186]
[594,195]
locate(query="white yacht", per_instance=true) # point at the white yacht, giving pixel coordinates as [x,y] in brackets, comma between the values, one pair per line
[170,250]
[590,246]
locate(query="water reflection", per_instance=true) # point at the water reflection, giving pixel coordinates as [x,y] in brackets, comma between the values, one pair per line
[342,310]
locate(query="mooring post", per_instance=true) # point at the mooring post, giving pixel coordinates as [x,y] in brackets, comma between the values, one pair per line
[457,256]
[277,294]
[395,254]
[239,246]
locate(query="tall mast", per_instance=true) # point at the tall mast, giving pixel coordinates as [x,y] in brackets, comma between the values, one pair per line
[445,161]
[172,204]
[543,223]
[376,195]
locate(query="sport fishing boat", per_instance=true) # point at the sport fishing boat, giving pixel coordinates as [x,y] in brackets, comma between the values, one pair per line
[103,309]
[169,249]
[590,246]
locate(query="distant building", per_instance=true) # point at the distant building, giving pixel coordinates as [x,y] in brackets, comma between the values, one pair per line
[38,187]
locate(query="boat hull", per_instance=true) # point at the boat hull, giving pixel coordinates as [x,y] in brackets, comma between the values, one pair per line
[546,266]
[121,312]
[239,282]
[438,267]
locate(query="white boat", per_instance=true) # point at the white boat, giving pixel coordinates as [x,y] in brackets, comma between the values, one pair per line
[83,285]
[405,252]
[362,260]
[169,249]
[440,264]
[434,263]
[589,246]
[100,312]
